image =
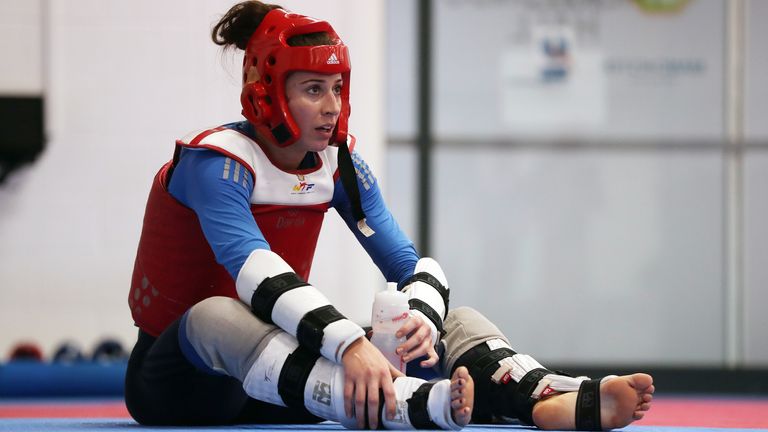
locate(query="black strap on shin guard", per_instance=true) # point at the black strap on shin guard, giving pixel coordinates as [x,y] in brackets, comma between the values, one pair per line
[530,380]
[294,374]
[510,399]
[521,398]
[482,363]
[588,406]
[418,411]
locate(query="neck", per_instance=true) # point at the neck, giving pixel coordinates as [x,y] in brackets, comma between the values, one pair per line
[286,158]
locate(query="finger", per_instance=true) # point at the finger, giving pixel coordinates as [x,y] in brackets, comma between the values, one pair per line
[395,373]
[360,405]
[433,358]
[420,350]
[349,392]
[420,336]
[408,346]
[409,326]
[373,405]
[390,397]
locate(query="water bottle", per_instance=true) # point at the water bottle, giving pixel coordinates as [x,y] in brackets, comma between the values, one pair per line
[390,311]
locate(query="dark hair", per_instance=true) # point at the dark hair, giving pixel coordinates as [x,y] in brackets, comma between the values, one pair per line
[241,20]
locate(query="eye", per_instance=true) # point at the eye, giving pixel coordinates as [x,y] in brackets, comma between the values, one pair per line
[313,89]
[337,89]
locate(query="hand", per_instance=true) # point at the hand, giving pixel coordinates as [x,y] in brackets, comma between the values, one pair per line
[419,341]
[366,371]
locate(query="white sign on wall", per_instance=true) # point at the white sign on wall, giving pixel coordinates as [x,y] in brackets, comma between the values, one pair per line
[552,84]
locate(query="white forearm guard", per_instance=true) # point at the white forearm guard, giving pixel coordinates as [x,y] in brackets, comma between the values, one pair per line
[428,294]
[278,295]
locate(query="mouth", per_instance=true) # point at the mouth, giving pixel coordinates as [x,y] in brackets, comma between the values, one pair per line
[325,128]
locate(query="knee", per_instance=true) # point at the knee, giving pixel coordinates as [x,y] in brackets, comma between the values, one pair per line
[214,309]
[466,325]
[222,321]
[215,315]
[224,334]
[464,314]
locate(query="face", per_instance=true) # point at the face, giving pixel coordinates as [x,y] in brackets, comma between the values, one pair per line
[315,103]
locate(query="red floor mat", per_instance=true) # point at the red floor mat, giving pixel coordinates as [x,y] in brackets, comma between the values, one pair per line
[114,409]
[666,411]
[707,412]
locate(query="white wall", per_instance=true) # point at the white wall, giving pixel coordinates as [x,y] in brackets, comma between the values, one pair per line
[586,217]
[21,72]
[624,243]
[123,80]
[756,184]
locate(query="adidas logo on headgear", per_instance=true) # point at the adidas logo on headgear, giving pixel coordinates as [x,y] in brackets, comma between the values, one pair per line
[332,59]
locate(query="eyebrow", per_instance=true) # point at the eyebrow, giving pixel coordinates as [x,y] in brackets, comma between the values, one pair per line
[317,80]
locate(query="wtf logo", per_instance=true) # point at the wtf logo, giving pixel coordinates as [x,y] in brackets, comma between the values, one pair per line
[302,188]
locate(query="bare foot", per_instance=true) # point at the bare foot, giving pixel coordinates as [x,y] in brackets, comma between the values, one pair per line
[462,396]
[623,400]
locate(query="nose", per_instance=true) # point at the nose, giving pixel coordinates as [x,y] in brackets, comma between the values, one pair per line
[331,104]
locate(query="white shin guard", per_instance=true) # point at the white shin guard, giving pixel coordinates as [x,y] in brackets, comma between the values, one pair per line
[324,392]
[518,365]
[324,389]
[262,379]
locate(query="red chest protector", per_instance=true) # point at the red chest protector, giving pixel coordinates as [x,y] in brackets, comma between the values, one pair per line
[175,267]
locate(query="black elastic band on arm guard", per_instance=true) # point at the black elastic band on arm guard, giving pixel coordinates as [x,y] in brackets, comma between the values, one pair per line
[417,408]
[429,312]
[293,376]
[588,406]
[310,330]
[434,283]
[270,289]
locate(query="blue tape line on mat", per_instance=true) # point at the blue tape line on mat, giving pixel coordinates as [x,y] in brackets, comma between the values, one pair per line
[33,379]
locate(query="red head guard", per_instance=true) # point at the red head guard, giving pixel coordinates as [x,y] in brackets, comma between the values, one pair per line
[264,102]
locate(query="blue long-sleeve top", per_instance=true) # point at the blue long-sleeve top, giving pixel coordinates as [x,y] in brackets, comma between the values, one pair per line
[222,206]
